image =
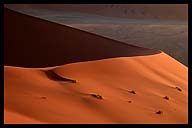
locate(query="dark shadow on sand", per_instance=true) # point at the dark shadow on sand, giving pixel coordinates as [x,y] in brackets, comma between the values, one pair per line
[34,42]
[55,77]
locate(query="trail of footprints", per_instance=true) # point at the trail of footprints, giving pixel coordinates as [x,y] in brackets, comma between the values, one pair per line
[53,76]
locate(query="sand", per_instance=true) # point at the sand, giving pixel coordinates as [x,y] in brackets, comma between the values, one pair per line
[33,95]
[71,76]
[136,27]
[170,38]
[133,11]
[44,43]
[141,25]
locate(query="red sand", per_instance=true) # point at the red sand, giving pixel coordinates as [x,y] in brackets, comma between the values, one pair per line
[32,96]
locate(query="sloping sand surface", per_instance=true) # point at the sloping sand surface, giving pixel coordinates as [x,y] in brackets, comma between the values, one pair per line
[34,42]
[17,118]
[80,77]
[142,31]
[32,94]
[168,38]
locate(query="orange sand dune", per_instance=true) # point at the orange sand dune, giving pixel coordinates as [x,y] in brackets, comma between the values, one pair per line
[80,77]
[33,95]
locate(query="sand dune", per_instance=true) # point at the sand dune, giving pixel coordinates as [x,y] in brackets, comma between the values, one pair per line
[81,77]
[169,38]
[141,30]
[32,94]
[27,31]
[140,11]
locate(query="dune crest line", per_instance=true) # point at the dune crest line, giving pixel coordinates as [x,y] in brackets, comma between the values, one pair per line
[35,43]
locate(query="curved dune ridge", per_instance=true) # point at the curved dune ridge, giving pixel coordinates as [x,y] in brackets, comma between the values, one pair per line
[65,75]
[33,42]
[117,90]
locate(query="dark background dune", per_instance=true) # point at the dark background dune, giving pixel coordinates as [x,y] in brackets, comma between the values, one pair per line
[170,38]
[156,26]
[40,43]
[157,11]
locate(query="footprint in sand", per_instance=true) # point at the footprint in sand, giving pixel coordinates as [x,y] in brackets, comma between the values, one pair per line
[179,89]
[97,96]
[159,112]
[166,97]
[44,97]
[133,92]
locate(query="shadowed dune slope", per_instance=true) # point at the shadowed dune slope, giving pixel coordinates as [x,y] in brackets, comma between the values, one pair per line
[33,42]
